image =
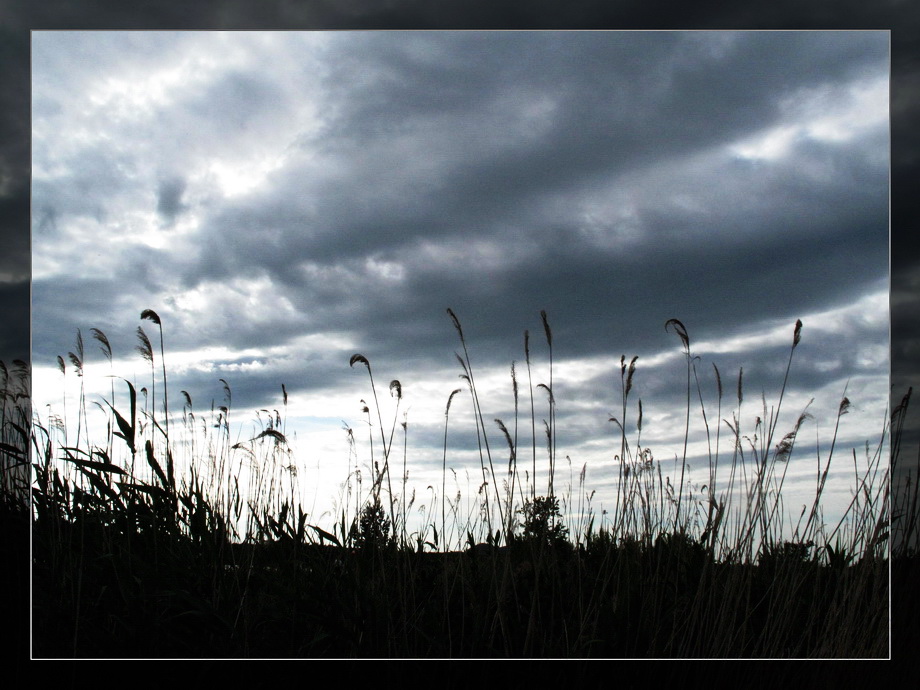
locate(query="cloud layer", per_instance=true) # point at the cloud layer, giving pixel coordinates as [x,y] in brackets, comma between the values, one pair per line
[285,200]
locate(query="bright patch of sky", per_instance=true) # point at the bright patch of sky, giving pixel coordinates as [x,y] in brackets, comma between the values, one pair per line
[823,113]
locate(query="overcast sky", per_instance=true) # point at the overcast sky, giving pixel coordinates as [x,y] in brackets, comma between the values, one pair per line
[285,200]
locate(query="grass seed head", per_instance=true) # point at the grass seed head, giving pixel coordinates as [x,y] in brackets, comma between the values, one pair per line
[681,331]
[105,346]
[77,363]
[145,348]
[629,375]
[152,315]
[450,399]
[453,317]
[844,407]
[546,328]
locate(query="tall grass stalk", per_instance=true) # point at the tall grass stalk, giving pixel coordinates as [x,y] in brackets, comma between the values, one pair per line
[481,434]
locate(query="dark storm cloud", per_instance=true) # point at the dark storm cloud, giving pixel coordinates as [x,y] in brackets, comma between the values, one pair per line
[447,131]
[467,169]
[702,88]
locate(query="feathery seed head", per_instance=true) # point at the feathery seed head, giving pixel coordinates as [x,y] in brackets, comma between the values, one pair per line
[450,399]
[629,376]
[152,315]
[103,341]
[546,328]
[681,331]
[80,345]
[784,448]
[803,417]
[145,348]
[77,363]
[844,407]
[453,317]
[277,435]
[504,430]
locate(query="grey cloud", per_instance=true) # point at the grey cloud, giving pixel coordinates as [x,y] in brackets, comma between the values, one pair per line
[95,183]
[232,104]
[362,207]
[64,304]
[432,144]
[169,199]
[600,81]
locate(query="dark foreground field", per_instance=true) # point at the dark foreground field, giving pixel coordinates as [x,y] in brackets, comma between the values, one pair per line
[132,559]
[153,598]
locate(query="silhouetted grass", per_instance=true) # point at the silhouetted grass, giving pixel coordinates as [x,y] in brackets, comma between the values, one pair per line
[131,558]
